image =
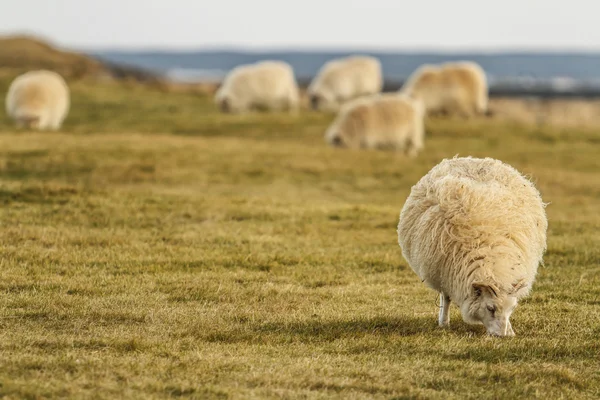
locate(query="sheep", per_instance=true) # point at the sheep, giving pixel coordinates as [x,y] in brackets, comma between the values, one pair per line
[379,121]
[344,79]
[458,88]
[475,231]
[38,100]
[266,85]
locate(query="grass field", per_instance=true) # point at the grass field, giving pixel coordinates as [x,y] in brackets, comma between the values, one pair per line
[158,249]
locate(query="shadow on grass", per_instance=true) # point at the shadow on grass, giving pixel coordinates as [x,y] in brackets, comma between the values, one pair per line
[36,165]
[397,326]
[325,331]
[38,194]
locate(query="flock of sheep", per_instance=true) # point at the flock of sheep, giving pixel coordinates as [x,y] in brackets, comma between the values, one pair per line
[352,86]
[472,229]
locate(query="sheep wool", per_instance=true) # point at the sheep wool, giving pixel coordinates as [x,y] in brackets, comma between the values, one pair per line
[341,80]
[266,85]
[38,100]
[456,88]
[475,231]
[379,121]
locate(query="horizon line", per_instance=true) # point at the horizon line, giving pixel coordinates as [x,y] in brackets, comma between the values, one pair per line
[524,50]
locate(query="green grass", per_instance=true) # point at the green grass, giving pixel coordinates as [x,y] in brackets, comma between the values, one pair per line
[158,249]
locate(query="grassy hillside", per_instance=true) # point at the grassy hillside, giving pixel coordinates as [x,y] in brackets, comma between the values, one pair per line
[158,249]
[24,53]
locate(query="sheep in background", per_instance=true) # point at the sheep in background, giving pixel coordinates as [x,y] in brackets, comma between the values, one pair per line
[345,79]
[379,121]
[475,231]
[450,88]
[266,85]
[38,100]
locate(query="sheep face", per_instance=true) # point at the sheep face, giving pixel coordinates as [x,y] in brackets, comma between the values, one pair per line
[336,140]
[29,122]
[490,306]
[321,101]
[225,105]
[333,137]
[314,101]
[340,136]
[224,101]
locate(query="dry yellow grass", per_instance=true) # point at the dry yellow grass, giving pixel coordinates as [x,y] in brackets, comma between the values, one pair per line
[548,112]
[157,249]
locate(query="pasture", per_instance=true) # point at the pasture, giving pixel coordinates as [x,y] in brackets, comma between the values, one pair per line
[155,248]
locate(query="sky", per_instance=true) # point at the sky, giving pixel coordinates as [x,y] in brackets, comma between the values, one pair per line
[451,25]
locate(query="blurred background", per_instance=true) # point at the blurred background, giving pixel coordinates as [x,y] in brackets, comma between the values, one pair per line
[547,48]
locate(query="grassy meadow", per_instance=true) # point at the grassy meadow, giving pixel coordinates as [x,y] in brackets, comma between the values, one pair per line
[155,248]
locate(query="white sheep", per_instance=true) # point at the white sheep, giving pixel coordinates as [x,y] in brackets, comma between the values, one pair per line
[379,121]
[266,85]
[475,231]
[38,100]
[450,88]
[345,79]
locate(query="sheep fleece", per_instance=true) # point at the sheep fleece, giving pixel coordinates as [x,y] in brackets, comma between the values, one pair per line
[345,79]
[384,120]
[269,85]
[452,88]
[471,219]
[38,99]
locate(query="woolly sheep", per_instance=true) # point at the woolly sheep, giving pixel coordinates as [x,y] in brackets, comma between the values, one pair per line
[345,79]
[266,85]
[450,88]
[379,121]
[475,231]
[38,100]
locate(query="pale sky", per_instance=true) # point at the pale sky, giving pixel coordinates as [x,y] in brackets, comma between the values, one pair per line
[345,24]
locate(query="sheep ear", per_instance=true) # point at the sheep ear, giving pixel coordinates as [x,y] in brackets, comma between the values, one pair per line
[480,287]
[518,285]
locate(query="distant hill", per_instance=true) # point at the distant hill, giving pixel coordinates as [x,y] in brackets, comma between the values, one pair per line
[24,53]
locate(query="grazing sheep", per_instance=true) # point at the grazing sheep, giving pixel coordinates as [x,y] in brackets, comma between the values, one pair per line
[266,85]
[345,79]
[475,231]
[450,88]
[379,121]
[38,100]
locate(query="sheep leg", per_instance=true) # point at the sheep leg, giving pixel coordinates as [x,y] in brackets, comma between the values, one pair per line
[414,147]
[415,142]
[444,318]
[412,152]
[464,111]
